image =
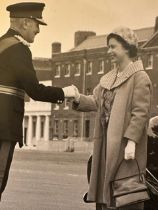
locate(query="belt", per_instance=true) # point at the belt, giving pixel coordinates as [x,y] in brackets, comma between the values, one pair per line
[12,91]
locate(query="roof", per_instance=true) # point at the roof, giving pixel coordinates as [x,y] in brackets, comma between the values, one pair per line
[144,34]
[93,42]
[152,42]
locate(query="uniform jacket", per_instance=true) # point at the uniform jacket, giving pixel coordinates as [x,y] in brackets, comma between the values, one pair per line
[16,70]
[128,120]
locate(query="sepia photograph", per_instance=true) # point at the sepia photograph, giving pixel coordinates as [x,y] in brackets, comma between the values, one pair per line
[78,105]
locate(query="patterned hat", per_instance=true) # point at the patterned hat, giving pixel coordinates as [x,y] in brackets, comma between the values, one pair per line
[125,33]
[27,10]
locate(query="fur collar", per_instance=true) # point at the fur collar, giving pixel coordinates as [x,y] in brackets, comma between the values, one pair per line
[108,80]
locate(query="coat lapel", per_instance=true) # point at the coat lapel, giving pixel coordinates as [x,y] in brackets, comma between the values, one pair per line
[109,81]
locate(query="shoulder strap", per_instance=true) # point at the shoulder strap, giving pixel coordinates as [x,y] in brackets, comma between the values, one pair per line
[7,42]
[135,160]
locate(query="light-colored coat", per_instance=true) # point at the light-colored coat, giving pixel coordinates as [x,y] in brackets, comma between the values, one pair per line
[128,120]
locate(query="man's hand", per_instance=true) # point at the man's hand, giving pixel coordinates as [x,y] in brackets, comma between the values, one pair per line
[130,150]
[72,92]
[69,91]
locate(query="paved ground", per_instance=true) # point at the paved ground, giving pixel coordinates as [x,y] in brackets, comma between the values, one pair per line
[46,181]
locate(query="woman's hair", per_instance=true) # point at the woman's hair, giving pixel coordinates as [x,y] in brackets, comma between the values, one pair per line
[132,49]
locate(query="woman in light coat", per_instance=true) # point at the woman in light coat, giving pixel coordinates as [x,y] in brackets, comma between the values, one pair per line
[122,102]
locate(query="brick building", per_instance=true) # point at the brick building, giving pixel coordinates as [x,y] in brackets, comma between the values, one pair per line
[83,66]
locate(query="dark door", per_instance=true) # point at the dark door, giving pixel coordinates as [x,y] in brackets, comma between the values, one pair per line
[87,128]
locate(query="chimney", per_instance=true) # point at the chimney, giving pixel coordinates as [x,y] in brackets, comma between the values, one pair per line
[56,48]
[156,24]
[80,36]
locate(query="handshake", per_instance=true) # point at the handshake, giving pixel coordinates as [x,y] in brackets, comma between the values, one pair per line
[72,92]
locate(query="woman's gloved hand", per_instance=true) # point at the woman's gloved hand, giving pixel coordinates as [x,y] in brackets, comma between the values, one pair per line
[77,94]
[130,150]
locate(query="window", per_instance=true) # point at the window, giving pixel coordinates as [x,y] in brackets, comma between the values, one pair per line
[26,118]
[89,68]
[42,126]
[75,128]
[88,91]
[56,107]
[65,129]
[50,129]
[77,69]
[87,128]
[57,71]
[101,67]
[34,126]
[150,60]
[66,104]
[67,70]
[56,127]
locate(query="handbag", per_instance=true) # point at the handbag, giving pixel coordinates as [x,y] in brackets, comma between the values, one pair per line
[128,190]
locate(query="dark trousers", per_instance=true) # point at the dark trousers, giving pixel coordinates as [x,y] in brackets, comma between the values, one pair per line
[6,155]
[139,206]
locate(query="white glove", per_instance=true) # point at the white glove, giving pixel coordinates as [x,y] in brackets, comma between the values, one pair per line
[69,92]
[77,94]
[130,150]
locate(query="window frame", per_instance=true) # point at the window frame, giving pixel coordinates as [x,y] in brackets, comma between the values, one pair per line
[76,128]
[59,75]
[150,67]
[103,68]
[56,127]
[79,69]
[91,68]
[65,127]
[67,69]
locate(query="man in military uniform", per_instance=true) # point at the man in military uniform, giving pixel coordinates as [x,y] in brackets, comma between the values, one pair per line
[17,76]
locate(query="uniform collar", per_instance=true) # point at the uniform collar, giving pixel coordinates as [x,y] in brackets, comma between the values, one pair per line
[23,41]
[108,80]
[17,35]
